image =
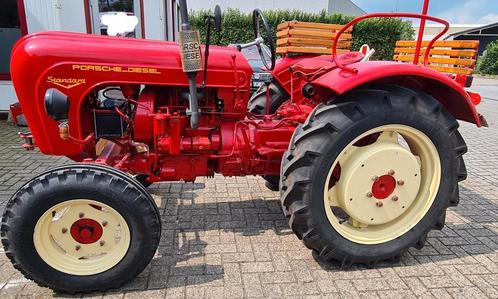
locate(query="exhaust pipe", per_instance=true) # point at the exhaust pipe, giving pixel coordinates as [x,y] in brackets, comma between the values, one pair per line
[191,61]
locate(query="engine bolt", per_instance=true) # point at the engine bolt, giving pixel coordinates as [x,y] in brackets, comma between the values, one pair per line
[401,182]
[390,172]
[379,204]
[102,243]
[64,230]
[78,247]
[375,178]
[104,223]
[81,215]
[369,194]
[395,198]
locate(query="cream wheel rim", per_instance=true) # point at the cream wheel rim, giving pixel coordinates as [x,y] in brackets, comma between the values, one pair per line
[382,184]
[81,237]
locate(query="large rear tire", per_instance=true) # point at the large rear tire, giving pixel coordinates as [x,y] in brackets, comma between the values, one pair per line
[81,228]
[257,103]
[367,178]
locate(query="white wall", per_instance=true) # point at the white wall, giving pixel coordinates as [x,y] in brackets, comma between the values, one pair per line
[154,20]
[73,16]
[42,15]
[67,15]
[7,95]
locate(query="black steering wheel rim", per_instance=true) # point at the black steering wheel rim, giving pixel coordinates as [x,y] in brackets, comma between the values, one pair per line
[268,41]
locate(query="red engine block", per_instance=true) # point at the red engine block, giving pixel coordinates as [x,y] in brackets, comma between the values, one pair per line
[165,148]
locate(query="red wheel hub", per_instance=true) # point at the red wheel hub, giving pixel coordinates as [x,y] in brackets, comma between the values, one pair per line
[86,231]
[383,186]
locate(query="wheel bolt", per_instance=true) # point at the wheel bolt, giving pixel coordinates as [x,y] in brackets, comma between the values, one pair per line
[401,182]
[78,247]
[369,194]
[64,230]
[375,178]
[104,223]
[81,215]
[390,172]
[395,198]
[102,243]
[379,204]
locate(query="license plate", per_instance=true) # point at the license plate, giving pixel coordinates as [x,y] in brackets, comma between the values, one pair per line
[191,50]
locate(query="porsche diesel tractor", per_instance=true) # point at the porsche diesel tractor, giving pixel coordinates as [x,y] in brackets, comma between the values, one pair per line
[366,154]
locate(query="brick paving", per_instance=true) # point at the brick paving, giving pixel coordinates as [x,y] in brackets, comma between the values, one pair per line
[226,237]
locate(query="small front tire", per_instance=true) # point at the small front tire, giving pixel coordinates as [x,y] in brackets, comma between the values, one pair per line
[81,228]
[143,179]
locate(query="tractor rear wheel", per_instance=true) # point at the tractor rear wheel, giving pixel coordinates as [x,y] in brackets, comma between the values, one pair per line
[257,105]
[368,177]
[81,228]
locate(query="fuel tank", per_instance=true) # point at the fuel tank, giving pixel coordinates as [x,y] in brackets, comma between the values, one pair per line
[76,63]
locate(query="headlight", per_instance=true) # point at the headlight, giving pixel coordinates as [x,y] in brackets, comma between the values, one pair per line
[56,104]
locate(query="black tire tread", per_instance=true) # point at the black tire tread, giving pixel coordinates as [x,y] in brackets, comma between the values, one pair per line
[59,174]
[257,102]
[322,124]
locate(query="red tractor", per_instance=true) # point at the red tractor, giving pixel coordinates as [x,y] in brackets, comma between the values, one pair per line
[366,154]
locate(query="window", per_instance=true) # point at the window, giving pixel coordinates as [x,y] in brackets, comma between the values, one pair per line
[12,27]
[99,8]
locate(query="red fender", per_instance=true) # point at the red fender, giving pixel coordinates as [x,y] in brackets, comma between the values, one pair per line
[446,90]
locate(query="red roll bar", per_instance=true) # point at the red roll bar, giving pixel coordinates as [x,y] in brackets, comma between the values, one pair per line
[423,18]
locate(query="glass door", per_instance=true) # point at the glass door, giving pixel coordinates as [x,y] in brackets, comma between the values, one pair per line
[100,8]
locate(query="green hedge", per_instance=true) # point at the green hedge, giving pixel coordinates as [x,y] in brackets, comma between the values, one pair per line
[380,34]
[488,63]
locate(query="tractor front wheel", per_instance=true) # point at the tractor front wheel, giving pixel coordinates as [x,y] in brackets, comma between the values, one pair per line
[81,228]
[143,179]
[367,178]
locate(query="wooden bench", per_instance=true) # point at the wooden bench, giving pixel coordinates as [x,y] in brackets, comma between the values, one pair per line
[456,57]
[310,38]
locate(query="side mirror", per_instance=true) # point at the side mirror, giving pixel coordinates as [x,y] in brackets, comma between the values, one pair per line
[217,18]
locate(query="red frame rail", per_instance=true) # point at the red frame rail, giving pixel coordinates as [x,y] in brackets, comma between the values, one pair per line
[423,18]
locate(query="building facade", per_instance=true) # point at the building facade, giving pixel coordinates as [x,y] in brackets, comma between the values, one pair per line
[485,34]
[431,30]
[158,19]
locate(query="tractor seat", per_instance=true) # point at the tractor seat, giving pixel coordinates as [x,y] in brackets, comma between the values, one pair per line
[316,66]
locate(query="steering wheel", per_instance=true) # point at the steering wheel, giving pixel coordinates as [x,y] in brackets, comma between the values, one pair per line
[258,16]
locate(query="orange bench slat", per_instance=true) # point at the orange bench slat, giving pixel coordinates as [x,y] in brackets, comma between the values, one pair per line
[459,44]
[441,60]
[445,52]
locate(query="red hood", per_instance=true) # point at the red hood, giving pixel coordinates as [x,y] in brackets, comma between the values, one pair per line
[49,48]
[76,63]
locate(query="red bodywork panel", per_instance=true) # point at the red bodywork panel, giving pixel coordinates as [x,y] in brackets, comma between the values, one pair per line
[451,94]
[76,64]
[57,55]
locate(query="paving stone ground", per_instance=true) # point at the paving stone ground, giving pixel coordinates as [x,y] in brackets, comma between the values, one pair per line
[226,237]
